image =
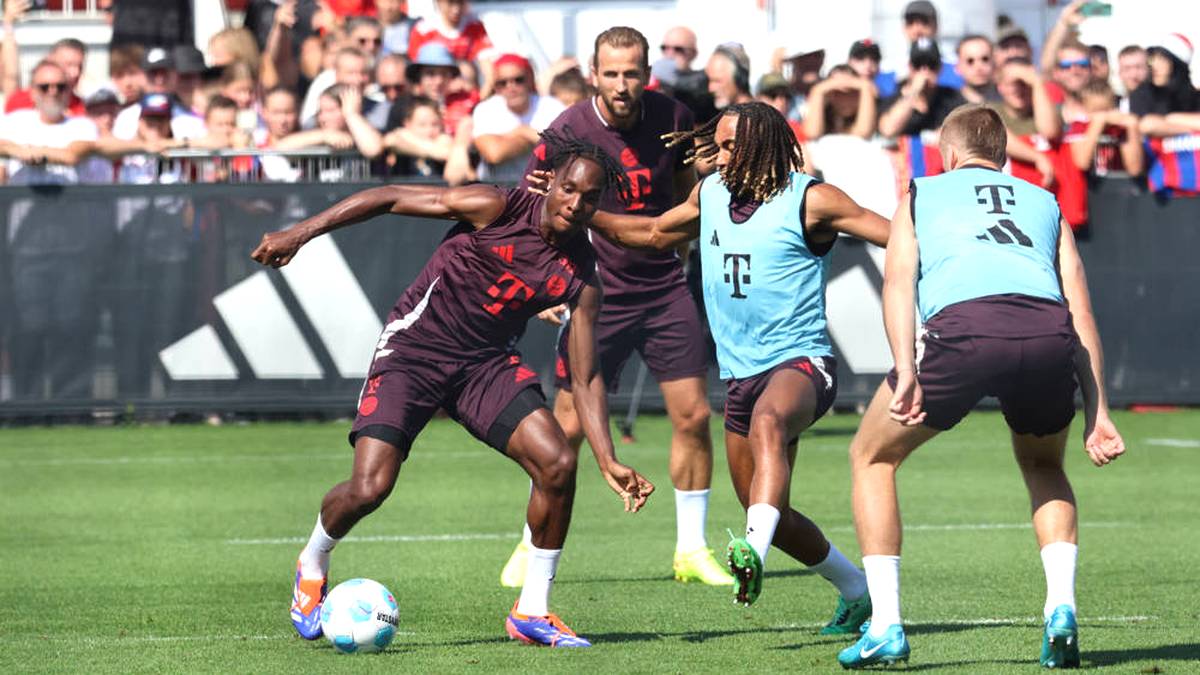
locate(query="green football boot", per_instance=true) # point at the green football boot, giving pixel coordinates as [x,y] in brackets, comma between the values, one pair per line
[747,569]
[849,616]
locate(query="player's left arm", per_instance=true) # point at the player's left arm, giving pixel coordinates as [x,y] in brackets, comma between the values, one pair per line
[828,211]
[899,295]
[1100,436]
[591,400]
[683,182]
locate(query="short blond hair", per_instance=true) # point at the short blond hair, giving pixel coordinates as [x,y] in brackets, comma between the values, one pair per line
[977,131]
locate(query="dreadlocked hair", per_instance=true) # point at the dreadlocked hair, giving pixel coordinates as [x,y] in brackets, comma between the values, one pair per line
[563,146]
[761,164]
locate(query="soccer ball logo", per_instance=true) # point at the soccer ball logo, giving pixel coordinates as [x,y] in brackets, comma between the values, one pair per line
[360,615]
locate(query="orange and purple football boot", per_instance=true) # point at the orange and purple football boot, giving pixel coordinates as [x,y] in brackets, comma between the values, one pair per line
[307,596]
[546,630]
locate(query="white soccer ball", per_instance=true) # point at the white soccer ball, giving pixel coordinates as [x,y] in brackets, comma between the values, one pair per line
[360,616]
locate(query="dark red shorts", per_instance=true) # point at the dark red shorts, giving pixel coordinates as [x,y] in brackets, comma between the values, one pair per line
[669,338]
[741,395]
[1033,377]
[488,397]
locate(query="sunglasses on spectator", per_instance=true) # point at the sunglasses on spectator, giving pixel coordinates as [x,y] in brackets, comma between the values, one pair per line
[47,87]
[520,79]
[678,49]
[392,87]
[1075,63]
[972,60]
[364,41]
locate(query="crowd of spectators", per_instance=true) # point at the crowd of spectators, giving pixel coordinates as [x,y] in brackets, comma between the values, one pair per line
[432,97]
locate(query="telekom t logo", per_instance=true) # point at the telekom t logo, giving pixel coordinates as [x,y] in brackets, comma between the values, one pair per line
[740,272]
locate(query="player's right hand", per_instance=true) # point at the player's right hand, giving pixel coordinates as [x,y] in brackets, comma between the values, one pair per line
[1102,441]
[278,248]
[553,315]
[907,400]
[633,488]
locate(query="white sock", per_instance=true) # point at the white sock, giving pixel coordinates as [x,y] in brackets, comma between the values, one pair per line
[314,559]
[1058,559]
[850,581]
[883,582]
[691,510]
[761,521]
[527,536]
[535,595]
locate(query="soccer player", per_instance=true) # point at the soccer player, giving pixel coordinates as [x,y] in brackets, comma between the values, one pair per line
[647,306]
[1004,303]
[765,230]
[447,344]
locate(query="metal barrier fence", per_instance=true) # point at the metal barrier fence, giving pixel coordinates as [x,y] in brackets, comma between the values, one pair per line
[311,165]
[143,299]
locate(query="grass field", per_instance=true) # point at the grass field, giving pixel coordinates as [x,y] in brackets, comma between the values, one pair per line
[172,549]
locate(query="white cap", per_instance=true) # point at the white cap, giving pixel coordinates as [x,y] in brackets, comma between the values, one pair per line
[1179,46]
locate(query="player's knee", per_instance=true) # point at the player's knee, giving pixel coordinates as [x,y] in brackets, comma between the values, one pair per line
[559,474]
[768,426]
[1041,464]
[694,420]
[369,492]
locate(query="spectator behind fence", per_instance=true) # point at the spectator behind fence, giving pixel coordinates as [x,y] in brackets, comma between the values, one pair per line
[189,76]
[340,109]
[1011,42]
[1098,56]
[155,128]
[728,73]
[1030,118]
[864,58]
[425,145]
[431,75]
[365,33]
[239,84]
[920,23]
[221,121]
[397,24]
[977,68]
[68,53]
[46,124]
[161,78]
[843,103]
[455,27]
[507,125]
[126,74]
[1072,71]
[1108,141]
[570,87]
[1132,71]
[233,44]
[281,112]
[389,77]
[350,69]
[1167,102]
[675,69]
[921,103]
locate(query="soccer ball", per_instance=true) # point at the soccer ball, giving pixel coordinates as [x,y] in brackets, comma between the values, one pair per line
[360,616]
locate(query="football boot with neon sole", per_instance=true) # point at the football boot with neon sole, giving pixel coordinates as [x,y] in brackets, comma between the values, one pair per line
[849,616]
[701,565]
[747,569]
[1060,640]
[546,630]
[888,649]
[513,574]
[307,596]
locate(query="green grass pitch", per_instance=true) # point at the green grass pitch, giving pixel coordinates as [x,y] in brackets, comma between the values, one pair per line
[172,549]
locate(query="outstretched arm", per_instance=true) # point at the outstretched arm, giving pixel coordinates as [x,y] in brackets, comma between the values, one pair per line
[899,280]
[476,204]
[1100,436]
[663,232]
[828,212]
[591,401]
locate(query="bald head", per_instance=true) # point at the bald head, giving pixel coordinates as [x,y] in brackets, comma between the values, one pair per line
[679,44]
[973,132]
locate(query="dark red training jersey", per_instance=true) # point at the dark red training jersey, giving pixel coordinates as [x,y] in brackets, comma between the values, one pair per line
[475,295]
[634,278]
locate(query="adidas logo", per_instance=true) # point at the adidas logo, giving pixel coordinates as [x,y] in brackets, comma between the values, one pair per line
[268,337]
[505,252]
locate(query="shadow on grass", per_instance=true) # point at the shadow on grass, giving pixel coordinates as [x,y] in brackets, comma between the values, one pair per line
[698,636]
[830,431]
[1111,657]
[666,579]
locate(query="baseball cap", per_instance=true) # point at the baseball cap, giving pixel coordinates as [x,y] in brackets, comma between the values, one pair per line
[432,54]
[773,83]
[866,49]
[921,8]
[925,53]
[188,60]
[156,105]
[157,58]
[101,97]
